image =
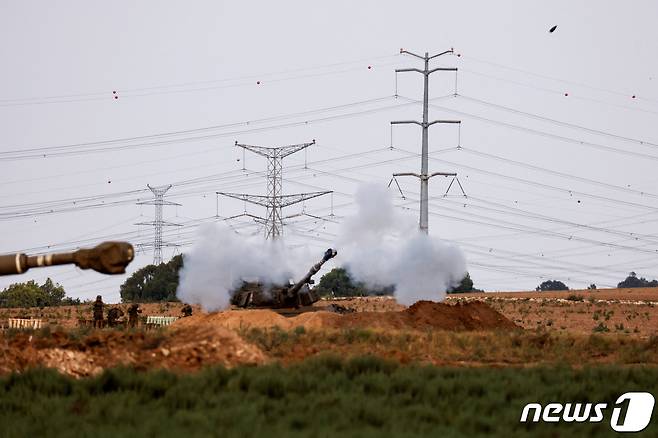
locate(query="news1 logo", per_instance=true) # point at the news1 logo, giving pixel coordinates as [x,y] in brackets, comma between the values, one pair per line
[630,413]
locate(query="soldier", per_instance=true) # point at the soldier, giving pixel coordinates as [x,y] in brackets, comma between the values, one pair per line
[133,312]
[98,312]
[113,316]
[186,310]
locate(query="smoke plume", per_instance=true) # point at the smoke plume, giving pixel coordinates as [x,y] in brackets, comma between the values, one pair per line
[222,259]
[380,246]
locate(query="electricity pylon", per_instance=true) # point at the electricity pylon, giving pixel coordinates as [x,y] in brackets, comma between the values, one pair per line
[158,222]
[425,124]
[274,201]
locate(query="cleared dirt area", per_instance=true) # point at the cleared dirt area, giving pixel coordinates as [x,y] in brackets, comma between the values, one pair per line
[633,312]
[423,315]
[83,354]
[648,294]
[508,329]
[68,316]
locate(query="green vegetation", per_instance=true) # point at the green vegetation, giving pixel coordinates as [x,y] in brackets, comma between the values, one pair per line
[466,285]
[30,294]
[575,297]
[601,328]
[513,347]
[551,285]
[153,283]
[338,282]
[633,281]
[321,397]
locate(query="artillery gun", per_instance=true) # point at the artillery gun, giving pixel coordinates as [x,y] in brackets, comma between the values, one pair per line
[292,296]
[106,258]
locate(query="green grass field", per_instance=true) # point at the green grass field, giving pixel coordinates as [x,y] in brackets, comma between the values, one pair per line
[319,397]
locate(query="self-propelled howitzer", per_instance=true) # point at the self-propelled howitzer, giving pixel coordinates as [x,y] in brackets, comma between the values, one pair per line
[299,294]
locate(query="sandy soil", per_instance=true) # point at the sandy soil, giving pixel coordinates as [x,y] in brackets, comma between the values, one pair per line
[635,294]
[68,316]
[468,329]
[633,312]
[423,315]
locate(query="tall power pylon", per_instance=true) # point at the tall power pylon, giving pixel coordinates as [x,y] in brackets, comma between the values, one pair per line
[425,124]
[274,201]
[158,222]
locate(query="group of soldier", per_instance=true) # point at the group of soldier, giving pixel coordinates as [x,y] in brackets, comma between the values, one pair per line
[114,314]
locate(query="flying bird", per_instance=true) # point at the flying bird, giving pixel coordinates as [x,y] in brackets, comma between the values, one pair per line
[552,29]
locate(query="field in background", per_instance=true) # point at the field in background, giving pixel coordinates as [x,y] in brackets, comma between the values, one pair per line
[631,312]
[574,328]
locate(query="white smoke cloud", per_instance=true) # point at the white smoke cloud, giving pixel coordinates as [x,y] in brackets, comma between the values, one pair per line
[378,246]
[381,247]
[221,259]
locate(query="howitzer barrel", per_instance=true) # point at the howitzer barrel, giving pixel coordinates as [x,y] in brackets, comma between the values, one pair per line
[106,258]
[328,254]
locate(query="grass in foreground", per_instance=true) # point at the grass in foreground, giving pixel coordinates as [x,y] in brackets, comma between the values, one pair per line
[324,396]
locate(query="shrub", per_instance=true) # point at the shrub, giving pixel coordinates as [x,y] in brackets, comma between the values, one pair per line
[551,285]
[574,297]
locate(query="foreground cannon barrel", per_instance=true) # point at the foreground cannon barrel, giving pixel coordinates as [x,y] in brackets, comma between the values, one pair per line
[106,258]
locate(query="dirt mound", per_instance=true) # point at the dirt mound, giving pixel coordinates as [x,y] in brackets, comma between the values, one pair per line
[421,316]
[425,315]
[237,319]
[468,316]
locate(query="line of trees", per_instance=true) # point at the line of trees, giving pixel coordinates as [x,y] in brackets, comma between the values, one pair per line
[31,294]
[338,282]
[159,283]
[632,281]
[153,282]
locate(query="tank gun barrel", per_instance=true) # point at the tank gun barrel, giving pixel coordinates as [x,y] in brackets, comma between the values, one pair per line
[328,254]
[106,258]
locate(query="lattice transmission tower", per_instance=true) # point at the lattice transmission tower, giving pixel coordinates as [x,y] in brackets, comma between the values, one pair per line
[158,223]
[274,201]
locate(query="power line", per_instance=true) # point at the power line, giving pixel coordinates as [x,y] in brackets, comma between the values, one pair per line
[558,122]
[144,141]
[556,79]
[557,173]
[238,81]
